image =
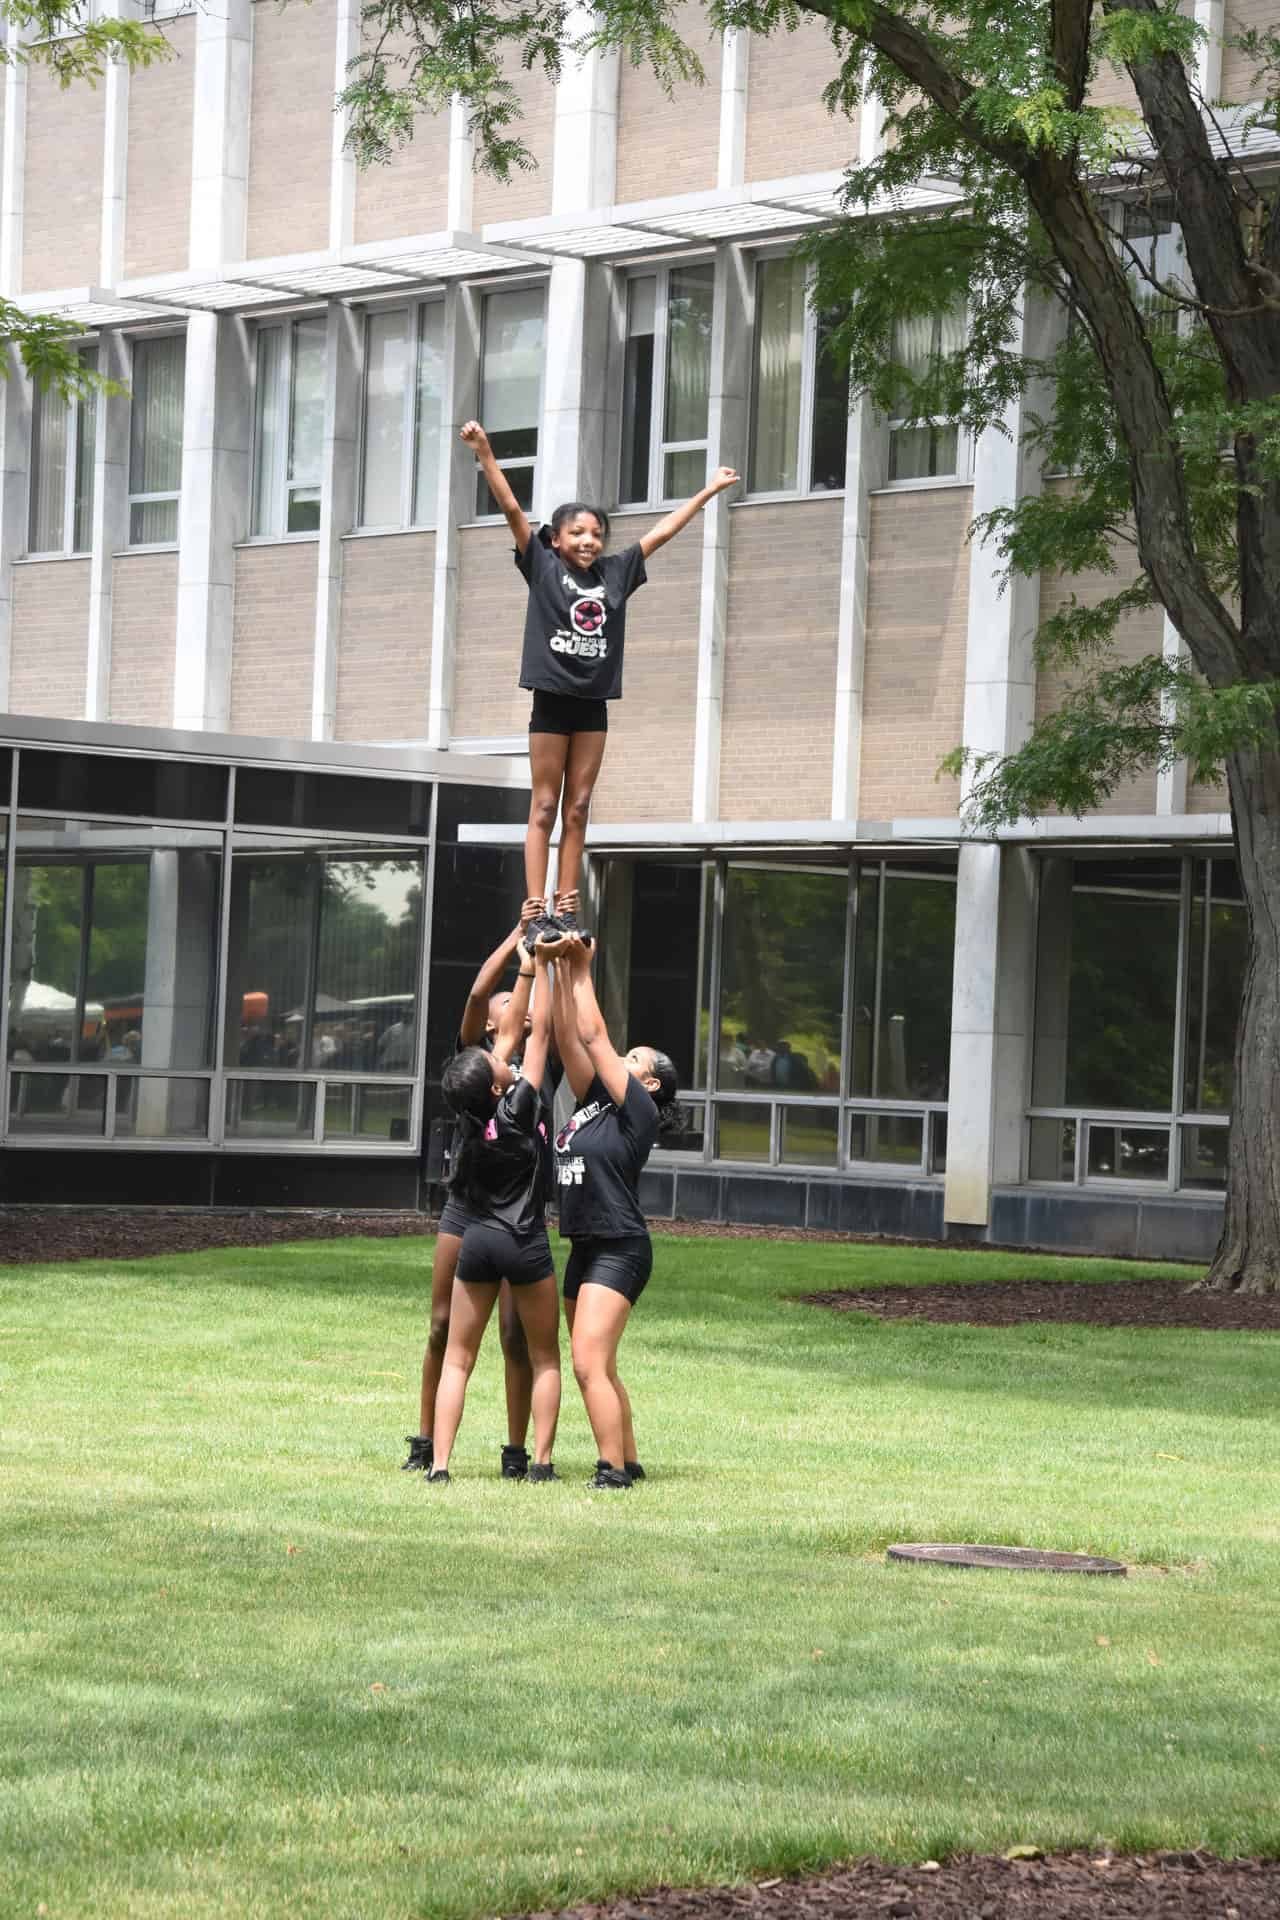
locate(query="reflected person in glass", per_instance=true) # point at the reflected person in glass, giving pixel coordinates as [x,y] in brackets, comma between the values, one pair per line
[574,632]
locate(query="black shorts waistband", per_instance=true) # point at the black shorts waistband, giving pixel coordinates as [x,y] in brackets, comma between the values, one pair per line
[566,713]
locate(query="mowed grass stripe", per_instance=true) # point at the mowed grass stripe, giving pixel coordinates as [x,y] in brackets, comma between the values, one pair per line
[248,1666]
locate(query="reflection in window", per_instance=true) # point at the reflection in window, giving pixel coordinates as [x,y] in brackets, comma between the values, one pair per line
[155,439]
[667,383]
[782,980]
[1106,987]
[903,953]
[810,1136]
[114,944]
[742,1130]
[323,964]
[271,1109]
[511,389]
[1218,956]
[928,449]
[662,988]
[800,392]
[62,1103]
[289,427]
[62,452]
[404,387]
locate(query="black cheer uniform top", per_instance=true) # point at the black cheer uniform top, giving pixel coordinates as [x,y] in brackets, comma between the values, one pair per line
[600,1151]
[505,1180]
[576,622]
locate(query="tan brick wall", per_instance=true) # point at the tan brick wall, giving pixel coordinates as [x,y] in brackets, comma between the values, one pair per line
[411,193]
[384,643]
[291,126]
[491,603]
[1211,797]
[1138,635]
[50,638]
[273,644]
[1238,82]
[670,145]
[157,212]
[62,212]
[648,764]
[778,717]
[917,618]
[144,618]
[529,193]
[788,128]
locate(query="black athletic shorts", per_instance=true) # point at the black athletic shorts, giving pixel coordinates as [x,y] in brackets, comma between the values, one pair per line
[622,1265]
[491,1253]
[565,713]
[455,1217]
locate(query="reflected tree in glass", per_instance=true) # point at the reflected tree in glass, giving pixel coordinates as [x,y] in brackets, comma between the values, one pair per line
[782,978]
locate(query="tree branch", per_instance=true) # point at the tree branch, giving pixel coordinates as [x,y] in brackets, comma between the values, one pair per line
[1072,20]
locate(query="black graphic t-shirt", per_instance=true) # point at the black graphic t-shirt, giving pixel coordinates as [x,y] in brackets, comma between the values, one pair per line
[504,1176]
[600,1151]
[576,622]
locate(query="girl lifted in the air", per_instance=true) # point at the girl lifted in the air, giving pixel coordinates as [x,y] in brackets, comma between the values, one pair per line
[572,662]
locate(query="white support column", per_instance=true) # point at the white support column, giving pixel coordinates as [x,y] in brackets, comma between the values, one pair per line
[338,482]
[461,170]
[109,522]
[1171,782]
[731,163]
[213,514]
[115,153]
[866,462]
[991,1018]
[726,446]
[342,173]
[213,511]
[1210,15]
[220,133]
[455,501]
[15,392]
[14,150]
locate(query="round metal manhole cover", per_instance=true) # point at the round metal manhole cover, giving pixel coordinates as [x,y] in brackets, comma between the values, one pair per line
[1015,1559]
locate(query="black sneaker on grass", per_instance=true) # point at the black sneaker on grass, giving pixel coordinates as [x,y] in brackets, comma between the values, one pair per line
[439,1477]
[419,1460]
[515,1463]
[539,1474]
[634,1470]
[607,1476]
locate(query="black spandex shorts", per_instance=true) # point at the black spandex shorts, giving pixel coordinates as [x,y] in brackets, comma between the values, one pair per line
[565,713]
[622,1265]
[454,1217]
[491,1253]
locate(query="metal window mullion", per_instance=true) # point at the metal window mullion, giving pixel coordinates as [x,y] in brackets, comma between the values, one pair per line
[1206,950]
[68,542]
[418,1098]
[775,1134]
[658,399]
[6,952]
[847,1008]
[318,1112]
[109,1106]
[1180,1010]
[719,870]
[875,1005]
[82,983]
[218,1085]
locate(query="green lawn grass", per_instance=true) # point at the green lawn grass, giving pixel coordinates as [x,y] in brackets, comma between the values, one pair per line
[247,1667]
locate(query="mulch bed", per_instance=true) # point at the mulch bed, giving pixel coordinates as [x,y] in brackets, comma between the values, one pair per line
[59,1234]
[1145,1303]
[1166,1886]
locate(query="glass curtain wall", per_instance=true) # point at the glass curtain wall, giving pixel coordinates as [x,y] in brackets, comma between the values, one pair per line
[825,994]
[1140,969]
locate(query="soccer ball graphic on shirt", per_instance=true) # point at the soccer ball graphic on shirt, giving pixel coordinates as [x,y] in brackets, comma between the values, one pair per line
[587,615]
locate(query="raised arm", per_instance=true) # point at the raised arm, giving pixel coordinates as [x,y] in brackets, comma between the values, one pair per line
[672,523]
[499,486]
[537,1046]
[593,1035]
[475,1015]
[574,1056]
[511,1027]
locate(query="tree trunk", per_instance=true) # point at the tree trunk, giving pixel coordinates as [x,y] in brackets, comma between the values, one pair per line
[1248,1256]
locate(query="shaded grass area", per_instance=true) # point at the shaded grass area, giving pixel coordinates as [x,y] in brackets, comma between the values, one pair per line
[248,1666]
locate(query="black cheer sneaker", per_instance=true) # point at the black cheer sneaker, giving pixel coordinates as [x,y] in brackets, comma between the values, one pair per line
[607,1476]
[420,1453]
[515,1463]
[634,1470]
[543,931]
[439,1477]
[539,1473]
[569,923]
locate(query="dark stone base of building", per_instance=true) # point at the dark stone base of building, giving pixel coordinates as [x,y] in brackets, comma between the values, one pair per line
[103,1178]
